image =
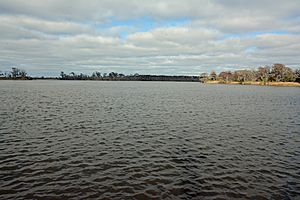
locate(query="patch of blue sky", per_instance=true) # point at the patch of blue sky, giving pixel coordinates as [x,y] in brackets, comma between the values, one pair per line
[254,34]
[143,24]
[251,49]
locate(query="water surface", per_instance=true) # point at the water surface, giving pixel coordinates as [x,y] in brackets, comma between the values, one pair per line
[144,140]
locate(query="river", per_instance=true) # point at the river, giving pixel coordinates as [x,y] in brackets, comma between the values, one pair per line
[148,140]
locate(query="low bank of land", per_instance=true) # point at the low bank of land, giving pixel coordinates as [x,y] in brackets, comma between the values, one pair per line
[287,84]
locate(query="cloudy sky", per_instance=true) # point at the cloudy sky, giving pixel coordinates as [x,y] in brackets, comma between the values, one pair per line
[147,36]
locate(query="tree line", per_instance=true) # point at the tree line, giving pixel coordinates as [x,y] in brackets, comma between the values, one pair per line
[94,76]
[114,76]
[15,73]
[275,73]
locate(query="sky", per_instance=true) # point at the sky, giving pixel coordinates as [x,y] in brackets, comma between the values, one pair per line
[171,37]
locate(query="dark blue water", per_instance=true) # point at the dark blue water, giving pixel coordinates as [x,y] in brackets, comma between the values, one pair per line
[148,140]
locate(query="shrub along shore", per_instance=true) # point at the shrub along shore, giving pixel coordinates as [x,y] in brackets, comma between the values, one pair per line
[290,84]
[275,75]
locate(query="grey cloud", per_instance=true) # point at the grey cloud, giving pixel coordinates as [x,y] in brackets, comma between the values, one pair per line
[100,10]
[43,26]
[54,35]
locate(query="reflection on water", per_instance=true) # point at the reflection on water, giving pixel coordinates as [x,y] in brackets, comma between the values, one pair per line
[144,140]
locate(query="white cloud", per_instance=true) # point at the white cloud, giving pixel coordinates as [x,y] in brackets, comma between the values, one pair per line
[175,36]
[54,35]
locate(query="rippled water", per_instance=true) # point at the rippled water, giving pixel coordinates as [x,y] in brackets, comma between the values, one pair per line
[143,140]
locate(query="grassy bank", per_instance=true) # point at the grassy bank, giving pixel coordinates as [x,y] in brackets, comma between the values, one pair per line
[285,84]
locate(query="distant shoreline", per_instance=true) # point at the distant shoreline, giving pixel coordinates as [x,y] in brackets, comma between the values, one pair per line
[277,75]
[105,79]
[164,78]
[258,83]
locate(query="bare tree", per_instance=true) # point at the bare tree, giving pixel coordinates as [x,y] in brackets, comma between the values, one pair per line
[203,77]
[23,73]
[226,76]
[63,75]
[213,76]
[297,75]
[245,75]
[264,73]
[98,74]
[15,72]
[282,73]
